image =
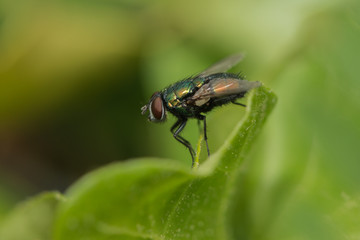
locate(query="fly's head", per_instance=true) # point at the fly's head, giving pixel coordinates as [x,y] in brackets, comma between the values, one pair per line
[156,108]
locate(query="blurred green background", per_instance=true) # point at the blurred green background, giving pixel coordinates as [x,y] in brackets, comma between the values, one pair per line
[74,74]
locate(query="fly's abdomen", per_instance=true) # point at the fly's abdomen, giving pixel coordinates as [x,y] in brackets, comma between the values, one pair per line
[223,85]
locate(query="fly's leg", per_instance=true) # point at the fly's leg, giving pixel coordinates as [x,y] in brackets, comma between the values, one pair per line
[236,103]
[180,124]
[199,126]
[175,125]
[201,117]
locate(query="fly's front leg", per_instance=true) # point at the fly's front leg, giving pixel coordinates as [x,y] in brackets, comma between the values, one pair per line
[180,124]
[175,125]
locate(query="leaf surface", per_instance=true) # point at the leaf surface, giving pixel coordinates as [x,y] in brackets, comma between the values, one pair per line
[32,220]
[161,199]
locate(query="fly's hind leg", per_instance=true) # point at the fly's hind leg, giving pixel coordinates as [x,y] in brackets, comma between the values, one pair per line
[199,126]
[203,118]
[236,103]
[180,124]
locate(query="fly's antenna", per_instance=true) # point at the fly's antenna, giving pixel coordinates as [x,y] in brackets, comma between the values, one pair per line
[144,109]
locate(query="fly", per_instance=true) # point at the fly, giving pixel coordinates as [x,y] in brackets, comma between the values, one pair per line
[194,96]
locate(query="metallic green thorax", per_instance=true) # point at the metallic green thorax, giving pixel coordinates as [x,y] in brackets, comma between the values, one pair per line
[176,93]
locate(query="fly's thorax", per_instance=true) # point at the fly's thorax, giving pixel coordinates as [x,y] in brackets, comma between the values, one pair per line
[171,100]
[198,82]
[175,94]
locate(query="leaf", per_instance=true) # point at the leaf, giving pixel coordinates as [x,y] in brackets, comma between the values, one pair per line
[161,199]
[31,220]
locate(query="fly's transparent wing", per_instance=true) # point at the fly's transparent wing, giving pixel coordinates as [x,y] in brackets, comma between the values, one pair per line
[223,65]
[221,87]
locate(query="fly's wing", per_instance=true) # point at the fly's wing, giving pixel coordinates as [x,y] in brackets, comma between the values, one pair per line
[223,65]
[221,87]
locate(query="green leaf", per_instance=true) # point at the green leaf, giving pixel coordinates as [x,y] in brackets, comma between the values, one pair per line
[161,199]
[31,220]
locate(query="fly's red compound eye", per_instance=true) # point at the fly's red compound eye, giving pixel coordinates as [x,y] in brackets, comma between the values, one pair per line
[157,108]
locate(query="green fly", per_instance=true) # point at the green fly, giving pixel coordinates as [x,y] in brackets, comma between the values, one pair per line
[194,96]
